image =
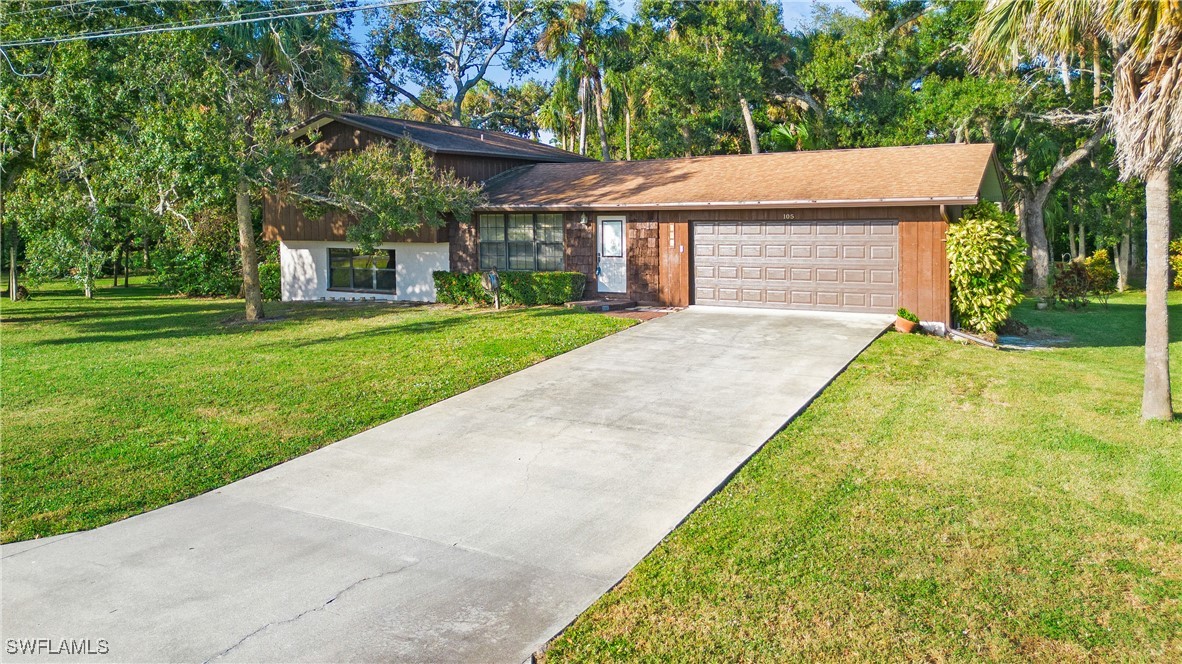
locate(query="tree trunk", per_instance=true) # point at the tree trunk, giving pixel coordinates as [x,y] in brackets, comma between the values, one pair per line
[1072,248]
[604,150]
[115,267]
[126,263]
[1156,402]
[1083,240]
[250,259]
[1036,236]
[752,138]
[87,273]
[1097,84]
[583,116]
[15,235]
[1032,208]
[1123,249]
[12,281]
[628,132]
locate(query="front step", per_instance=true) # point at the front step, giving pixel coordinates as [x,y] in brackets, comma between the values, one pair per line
[602,305]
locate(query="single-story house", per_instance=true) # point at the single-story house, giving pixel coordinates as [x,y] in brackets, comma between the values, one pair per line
[831,230]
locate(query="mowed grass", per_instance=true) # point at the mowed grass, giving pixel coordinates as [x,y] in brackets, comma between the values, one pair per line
[936,503]
[131,401]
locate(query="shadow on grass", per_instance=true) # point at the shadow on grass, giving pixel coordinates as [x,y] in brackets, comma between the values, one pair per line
[436,325]
[1121,323]
[145,313]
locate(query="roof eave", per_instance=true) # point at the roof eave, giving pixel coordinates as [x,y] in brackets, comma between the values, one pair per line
[734,205]
[321,119]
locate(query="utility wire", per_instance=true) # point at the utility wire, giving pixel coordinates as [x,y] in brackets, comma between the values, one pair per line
[189,25]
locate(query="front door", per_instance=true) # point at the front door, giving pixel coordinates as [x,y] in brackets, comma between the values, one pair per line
[612,268]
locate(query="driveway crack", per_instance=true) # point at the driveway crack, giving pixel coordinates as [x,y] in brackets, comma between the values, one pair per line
[322,606]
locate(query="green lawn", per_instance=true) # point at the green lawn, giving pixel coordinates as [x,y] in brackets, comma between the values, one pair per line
[937,502]
[133,400]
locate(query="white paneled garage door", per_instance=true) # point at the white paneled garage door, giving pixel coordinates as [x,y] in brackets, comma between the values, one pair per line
[824,265]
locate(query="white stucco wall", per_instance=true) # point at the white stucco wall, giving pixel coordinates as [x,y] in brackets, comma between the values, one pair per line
[304,269]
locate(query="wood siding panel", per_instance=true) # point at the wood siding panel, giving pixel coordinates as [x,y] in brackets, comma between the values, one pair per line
[285,220]
[674,264]
[476,169]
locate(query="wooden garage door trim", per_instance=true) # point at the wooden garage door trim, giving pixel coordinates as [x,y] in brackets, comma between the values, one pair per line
[825,265]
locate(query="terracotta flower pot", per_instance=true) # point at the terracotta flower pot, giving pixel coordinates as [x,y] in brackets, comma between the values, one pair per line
[905,326]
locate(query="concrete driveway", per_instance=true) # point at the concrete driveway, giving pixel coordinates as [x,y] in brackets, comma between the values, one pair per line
[472,530]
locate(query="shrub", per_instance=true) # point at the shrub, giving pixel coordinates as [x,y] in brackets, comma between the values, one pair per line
[526,288]
[1072,284]
[459,288]
[198,272]
[906,314]
[269,277]
[1102,275]
[1176,262]
[986,260]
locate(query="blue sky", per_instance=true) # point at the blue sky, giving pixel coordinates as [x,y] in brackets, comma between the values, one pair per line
[796,15]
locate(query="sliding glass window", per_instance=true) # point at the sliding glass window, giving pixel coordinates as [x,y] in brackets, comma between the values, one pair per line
[351,271]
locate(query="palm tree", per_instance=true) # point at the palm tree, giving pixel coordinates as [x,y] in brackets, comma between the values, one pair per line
[1146,119]
[576,37]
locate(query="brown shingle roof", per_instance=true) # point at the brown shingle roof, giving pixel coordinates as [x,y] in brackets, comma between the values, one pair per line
[933,174]
[445,138]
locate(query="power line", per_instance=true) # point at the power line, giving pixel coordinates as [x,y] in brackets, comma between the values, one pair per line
[52,7]
[190,25]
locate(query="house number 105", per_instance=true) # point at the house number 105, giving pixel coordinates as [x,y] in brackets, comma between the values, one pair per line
[789,216]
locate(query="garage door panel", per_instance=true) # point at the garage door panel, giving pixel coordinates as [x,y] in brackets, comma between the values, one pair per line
[848,265]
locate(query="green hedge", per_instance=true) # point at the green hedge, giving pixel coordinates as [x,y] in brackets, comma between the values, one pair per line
[528,288]
[269,277]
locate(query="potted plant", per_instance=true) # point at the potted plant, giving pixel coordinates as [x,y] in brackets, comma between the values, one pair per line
[905,321]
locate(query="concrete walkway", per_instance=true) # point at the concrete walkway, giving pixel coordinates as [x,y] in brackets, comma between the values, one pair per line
[472,530]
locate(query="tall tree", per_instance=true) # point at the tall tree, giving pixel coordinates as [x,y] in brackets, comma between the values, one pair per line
[444,48]
[1146,116]
[578,36]
[711,64]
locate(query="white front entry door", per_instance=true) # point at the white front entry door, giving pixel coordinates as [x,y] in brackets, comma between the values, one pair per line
[612,267]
